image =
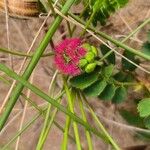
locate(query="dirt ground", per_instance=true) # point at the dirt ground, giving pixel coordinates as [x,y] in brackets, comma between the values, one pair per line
[22,33]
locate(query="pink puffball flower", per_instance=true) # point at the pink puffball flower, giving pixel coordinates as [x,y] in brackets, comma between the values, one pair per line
[67,56]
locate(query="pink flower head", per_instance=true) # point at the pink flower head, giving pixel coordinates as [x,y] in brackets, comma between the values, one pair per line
[68,54]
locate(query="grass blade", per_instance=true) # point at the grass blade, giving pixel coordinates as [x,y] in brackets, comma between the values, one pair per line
[37,55]
[40,93]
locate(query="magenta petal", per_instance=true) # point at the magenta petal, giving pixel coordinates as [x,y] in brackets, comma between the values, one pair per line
[72,49]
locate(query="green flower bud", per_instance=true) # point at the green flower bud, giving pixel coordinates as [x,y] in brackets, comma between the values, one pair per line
[94,50]
[82,63]
[90,57]
[90,67]
[87,46]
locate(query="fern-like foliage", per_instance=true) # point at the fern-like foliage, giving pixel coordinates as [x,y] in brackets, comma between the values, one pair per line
[100,10]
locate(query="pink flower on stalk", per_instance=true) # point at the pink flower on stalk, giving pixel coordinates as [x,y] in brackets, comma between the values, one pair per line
[68,54]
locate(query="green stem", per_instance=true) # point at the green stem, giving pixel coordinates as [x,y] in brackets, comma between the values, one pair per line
[47,122]
[88,23]
[42,111]
[51,7]
[48,127]
[18,53]
[70,98]
[88,135]
[116,42]
[69,29]
[126,83]
[21,131]
[65,136]
[39,145]
[109,38]
[81,14]
[32,64]
[116,147]
[137,29]
[52,101]
[127,37]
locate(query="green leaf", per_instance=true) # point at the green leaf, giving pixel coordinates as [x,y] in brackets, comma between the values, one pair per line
[104,50]
[120,76]
[84,80]
[120,95]
[123,77]
[100,10]
[132,119]
[108,92]
[146,48]
[144,107]
[107,71]
[96,88]
[147,122]
[122,2]
[148,36]
[126,64]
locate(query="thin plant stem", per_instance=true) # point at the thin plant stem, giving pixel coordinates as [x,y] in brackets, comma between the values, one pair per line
[88,134]
[21,131]
[30,67]
[18,53]
[22,64]
[69,29]
[87,24]
[66,132]
[109,38]
[113,143]
[70,98]
[51,7]
[39,145]
[93,34]
[46,122]
[44,113]
[24,113]
[137,29]
[116,42]
[127,37]
[50,122]
[40,93]
[40,111]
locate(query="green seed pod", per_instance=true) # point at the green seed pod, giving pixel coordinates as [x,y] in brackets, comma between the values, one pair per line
[94,50]
[90,67]
[83,63]
[90,57]
[87,46]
